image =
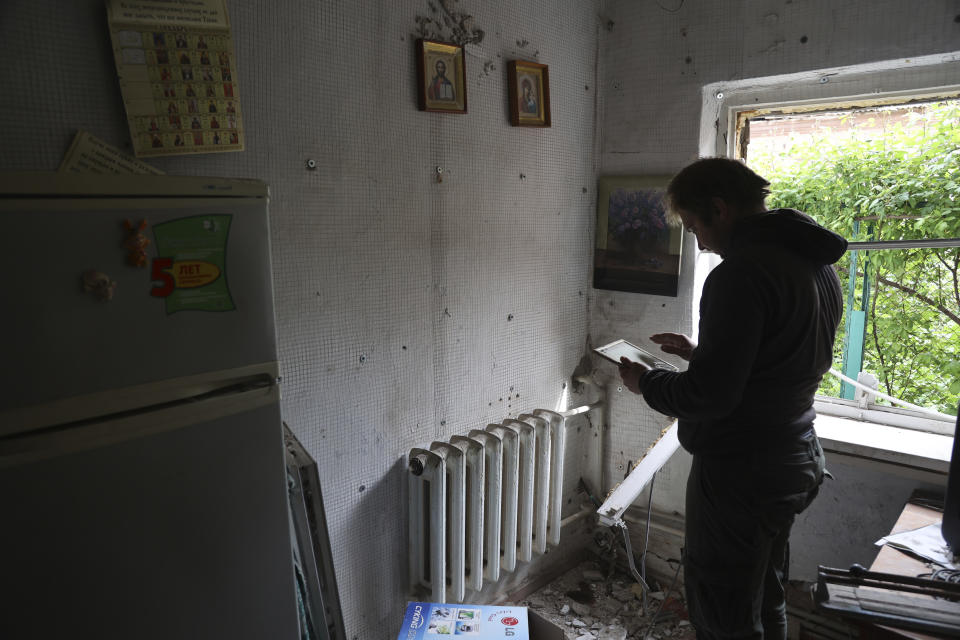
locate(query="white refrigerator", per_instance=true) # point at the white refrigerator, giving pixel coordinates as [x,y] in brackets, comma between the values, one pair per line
[142,482]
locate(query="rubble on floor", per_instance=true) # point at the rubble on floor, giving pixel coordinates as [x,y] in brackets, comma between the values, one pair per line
[589,605]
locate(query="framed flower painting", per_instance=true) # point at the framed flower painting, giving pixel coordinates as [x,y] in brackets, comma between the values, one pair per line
[637,249]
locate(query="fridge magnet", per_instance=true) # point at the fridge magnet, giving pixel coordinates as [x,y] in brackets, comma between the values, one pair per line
[136,243]
[636,248]
[98,284]
[167,59]
[528,88]
[190,270]
[441,77]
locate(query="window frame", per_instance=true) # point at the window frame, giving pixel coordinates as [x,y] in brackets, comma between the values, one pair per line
[728,106]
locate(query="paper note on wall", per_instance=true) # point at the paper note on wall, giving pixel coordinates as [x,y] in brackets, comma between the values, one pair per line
[178,75]
[89,154]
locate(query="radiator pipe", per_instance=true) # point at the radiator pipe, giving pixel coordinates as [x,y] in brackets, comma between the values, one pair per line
[417,465]
[581,409]
[579,515]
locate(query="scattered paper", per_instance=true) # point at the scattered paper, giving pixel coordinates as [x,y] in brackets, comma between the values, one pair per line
[178,75]
[89,154]
[926,542]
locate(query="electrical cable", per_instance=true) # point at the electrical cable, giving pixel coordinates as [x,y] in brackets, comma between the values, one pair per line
[639,576]
[586,489]
[633,567]
[646,542]
[666,595]
[944,575]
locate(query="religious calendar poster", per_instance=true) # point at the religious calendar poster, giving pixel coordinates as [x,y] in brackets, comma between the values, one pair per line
[178,75]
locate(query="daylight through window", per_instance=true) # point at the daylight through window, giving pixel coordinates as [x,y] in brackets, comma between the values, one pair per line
[880,174]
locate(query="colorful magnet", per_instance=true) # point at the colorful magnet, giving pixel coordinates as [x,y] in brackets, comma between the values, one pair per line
[136,243]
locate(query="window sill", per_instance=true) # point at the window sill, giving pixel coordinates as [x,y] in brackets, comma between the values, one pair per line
[926,452]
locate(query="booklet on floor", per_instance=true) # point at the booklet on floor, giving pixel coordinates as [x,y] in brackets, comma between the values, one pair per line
[434,621]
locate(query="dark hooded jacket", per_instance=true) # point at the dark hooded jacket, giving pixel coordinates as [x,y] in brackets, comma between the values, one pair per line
[768,317]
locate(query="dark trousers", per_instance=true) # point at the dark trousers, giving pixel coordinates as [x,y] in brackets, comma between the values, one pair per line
[739,514]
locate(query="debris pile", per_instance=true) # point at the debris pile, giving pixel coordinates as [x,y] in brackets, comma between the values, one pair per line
[590,605]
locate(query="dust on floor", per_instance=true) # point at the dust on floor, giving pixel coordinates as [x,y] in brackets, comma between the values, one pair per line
[589,605]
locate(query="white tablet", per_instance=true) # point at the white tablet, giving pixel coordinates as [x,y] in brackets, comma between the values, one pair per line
[623,349]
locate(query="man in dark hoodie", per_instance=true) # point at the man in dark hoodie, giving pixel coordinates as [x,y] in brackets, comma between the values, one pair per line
[768,317]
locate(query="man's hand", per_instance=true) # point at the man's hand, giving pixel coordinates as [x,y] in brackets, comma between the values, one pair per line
[675,343]
[631,372]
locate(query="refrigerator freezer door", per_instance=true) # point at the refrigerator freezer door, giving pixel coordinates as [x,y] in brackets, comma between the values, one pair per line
[62,342]
[181,534]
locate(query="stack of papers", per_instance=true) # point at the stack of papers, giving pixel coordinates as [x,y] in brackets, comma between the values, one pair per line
[926,542]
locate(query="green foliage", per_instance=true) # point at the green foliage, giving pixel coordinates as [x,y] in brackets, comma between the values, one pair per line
[903,183]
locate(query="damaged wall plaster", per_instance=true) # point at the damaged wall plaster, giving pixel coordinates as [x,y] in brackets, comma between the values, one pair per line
[446,24]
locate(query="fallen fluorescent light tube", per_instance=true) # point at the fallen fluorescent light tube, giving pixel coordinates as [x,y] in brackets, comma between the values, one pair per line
[612,509]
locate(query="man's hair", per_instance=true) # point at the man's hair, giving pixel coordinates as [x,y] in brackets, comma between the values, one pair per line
[694,188]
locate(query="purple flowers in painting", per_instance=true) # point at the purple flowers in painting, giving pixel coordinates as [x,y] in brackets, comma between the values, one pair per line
[637,244]
[637,214]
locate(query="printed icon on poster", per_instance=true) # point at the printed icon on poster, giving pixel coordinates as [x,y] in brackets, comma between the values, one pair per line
[169,63]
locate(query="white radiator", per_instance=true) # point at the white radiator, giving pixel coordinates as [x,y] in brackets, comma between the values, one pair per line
[482,502]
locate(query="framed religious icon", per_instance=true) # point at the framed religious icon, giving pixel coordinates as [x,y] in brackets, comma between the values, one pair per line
[637,247]
[528,87]
[441,77]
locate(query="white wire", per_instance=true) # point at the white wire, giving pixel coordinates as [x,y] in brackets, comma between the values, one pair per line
[880,394]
